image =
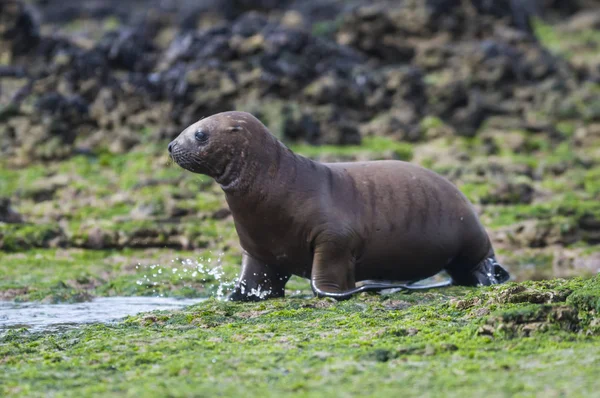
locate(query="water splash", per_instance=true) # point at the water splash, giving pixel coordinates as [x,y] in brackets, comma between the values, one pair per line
[258,292]
[187,272]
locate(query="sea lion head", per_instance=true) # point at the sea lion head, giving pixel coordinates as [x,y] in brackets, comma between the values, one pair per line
[221,145]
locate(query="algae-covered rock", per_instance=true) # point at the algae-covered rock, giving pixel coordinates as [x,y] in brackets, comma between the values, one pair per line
[463,62]
[588,298]
[15,237]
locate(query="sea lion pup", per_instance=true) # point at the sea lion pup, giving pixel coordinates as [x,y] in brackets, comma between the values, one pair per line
[335,223]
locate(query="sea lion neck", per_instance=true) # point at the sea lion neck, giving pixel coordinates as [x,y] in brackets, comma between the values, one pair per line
[257,162]
[234,178]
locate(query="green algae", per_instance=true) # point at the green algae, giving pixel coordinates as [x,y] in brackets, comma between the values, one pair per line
[375,146]
[57,275]
[12,179]
[586,299]
[526,339]
[567,43]
[452,342]
[569,206]
[16,237]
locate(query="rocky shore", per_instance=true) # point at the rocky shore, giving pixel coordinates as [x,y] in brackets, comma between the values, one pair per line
[502,99]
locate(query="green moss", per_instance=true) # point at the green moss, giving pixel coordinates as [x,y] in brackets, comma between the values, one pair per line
[524,313]
[566,127]
[588,298]
[325,28]
[591,181]
[75,25]
[474,192]
[374,146]
[13,180]
[569,207]
[536,143]
[567,43]
[308,347]
[79,274]
[101,212]
[431,122]
[514,339]
[111,23]
[14,237]
[438,78]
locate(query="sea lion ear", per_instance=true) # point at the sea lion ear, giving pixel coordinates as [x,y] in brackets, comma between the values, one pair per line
[234,128]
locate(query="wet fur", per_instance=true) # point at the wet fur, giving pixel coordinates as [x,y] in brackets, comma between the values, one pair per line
[335,223]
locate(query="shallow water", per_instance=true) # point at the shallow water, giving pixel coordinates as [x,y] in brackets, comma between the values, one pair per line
[55,317]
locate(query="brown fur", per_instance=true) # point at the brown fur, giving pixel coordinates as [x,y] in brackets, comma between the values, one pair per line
[336,223]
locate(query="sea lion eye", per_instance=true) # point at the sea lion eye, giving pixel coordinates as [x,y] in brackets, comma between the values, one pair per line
[200,135]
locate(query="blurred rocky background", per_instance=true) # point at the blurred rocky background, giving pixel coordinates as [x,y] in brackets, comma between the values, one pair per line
[502,97]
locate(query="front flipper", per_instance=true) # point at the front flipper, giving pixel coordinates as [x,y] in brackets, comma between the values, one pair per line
[258,281]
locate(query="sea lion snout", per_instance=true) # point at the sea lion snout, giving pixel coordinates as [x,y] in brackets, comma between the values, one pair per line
[190,151]
[175,150]
[180,156]
[212,145]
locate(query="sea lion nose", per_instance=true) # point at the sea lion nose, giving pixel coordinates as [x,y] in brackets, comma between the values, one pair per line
[170,147]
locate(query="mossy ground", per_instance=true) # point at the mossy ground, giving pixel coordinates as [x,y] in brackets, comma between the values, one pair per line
[528,339]
[97,224]
[532,339]
[542,340]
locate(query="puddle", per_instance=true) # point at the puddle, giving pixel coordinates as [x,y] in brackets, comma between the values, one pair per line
[57,317]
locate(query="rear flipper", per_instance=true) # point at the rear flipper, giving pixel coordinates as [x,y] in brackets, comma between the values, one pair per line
[487,272]
[332,273]
[376,287]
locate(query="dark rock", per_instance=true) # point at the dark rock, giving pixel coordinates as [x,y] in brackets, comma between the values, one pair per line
[221,214]
[509,193]
[381,355]
[19,27]
[462,62]
[300,126]
[45,189]
[8,214]
[129,49]
[401,125]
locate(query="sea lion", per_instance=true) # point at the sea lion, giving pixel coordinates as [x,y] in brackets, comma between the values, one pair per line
[335,223]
